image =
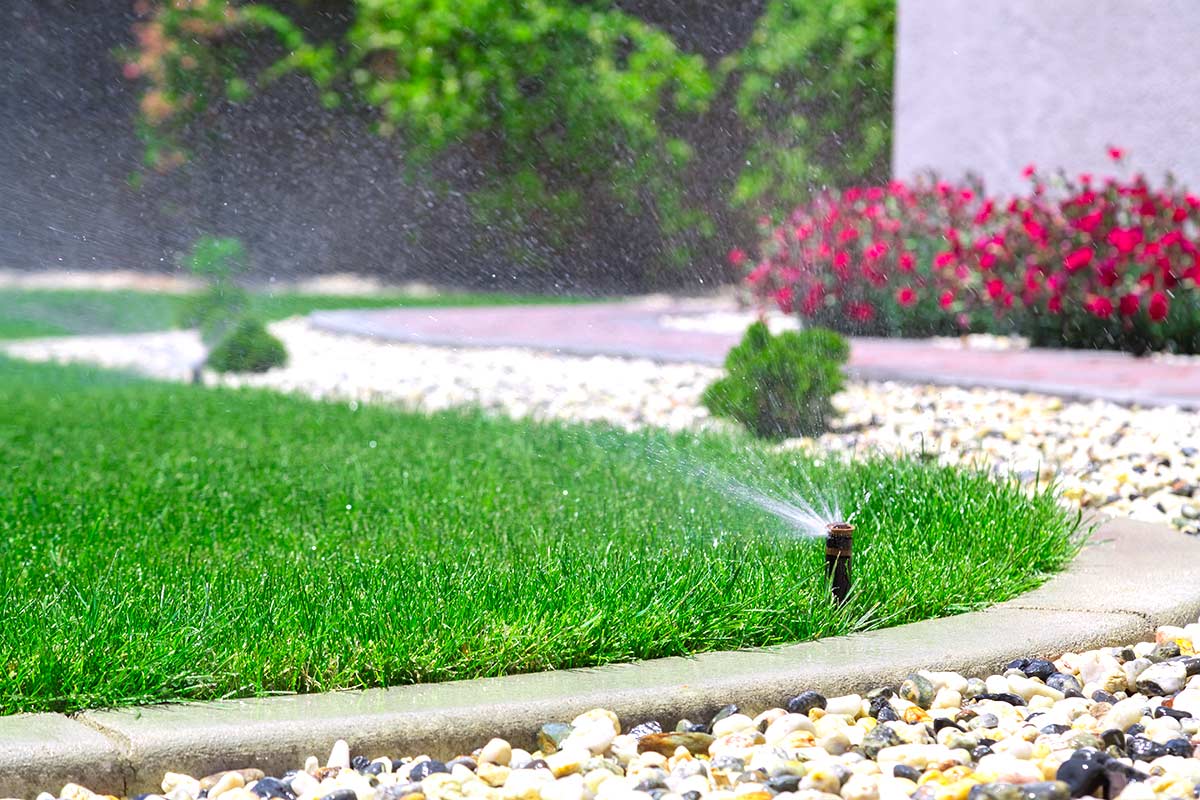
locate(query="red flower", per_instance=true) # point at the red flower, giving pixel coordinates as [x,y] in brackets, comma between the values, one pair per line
[905,296]
[995,288]
[1054,304]
[861,312]
[985,212]
[1101,307]
[1159,306]
[783,298]
[759,273]
[1107,273]
[876,250]
[1088,222]
[1035,231]
[1130,303]
[1116,153]
[1125,239]
[1028,171]
[737,256]
[946,300]
[943,259]
[813,300]
[1078,259]
[841,265]
[1033,281]
[907,262]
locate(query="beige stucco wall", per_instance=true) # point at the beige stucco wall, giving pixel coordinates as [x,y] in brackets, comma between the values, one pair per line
[991,85]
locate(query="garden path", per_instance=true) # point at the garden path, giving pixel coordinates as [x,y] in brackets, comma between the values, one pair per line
[652,329]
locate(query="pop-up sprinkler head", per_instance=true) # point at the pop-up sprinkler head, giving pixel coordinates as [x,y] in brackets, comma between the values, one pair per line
[839,548]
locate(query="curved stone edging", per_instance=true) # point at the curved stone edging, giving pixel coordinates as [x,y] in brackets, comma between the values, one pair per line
[1130,578]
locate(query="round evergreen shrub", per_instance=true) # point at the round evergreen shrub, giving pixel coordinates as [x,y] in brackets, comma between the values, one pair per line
[249,347]
[222,304]
[780,386]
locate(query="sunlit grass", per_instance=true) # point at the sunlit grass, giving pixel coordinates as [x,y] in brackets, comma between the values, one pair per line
[166,542]
[26,313]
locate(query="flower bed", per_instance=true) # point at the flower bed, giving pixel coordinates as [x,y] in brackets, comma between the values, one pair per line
[1074,262]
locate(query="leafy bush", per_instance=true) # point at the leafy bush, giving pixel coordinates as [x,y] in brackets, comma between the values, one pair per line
[216,309]
[814,91]
[780,386]
[249,347]
[559,104]
[575,117]
[1072,263]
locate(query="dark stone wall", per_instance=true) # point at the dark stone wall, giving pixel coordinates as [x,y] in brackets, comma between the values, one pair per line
[309,191]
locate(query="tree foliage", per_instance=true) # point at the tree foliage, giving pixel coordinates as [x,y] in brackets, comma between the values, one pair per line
[570,113]
[814,90]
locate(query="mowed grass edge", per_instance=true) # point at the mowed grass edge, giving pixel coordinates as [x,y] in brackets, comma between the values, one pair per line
[167,542]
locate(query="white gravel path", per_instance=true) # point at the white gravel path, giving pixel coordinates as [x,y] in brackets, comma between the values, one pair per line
[1126,461]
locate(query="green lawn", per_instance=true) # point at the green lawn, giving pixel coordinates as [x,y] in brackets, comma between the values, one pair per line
[28,313]
[163,542]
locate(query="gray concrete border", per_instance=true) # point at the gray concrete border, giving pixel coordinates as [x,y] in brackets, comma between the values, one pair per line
[1130,578]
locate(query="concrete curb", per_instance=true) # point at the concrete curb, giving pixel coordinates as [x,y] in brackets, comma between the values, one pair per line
[1130,578]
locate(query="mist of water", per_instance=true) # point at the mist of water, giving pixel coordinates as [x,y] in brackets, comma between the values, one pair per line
[806,512]
[805,516]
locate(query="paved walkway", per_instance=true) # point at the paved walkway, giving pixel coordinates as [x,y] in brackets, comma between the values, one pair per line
[638,329]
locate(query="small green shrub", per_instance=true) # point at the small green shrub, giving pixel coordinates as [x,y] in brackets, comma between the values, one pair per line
[214,311]
[218,309]
[780,386]
[249,347]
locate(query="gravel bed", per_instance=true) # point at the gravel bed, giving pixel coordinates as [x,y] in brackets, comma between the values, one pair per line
[1116,722]
[517,382]
[1143,463]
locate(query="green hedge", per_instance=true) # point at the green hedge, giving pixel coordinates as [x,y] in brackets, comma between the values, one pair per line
[573,116]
